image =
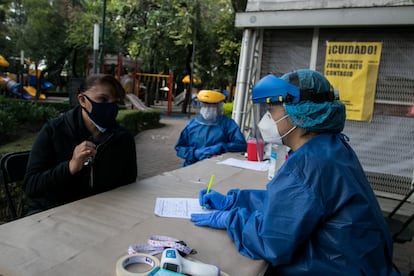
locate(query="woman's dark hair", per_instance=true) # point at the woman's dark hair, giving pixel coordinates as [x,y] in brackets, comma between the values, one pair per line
[104,79]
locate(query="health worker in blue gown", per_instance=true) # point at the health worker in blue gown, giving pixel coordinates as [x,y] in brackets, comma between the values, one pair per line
[210,132]
[318,215]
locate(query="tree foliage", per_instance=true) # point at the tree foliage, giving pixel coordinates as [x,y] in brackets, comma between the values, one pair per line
[162,34]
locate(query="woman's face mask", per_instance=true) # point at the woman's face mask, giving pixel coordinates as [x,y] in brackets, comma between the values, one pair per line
[103,115]
[209,113]
[269,131]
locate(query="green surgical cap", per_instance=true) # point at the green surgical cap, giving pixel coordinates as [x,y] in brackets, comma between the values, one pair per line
[325,116]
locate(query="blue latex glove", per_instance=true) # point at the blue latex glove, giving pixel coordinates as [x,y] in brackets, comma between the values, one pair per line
[202,153]
[215,200]
[207,152]
[215,220]
[218,149]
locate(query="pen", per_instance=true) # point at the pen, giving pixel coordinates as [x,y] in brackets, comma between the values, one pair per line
[209,186]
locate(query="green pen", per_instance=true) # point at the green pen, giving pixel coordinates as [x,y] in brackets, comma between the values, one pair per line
[209,187]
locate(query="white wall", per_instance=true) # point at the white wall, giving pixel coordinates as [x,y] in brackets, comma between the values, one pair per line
[273,5]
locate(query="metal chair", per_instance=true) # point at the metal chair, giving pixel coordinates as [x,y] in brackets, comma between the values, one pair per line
[400,231]
[13,168]
[399,228]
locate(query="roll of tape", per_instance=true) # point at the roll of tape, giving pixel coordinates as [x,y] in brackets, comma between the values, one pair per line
[126,260]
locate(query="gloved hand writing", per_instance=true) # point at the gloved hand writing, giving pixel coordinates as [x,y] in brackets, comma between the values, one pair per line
[215,200]
[215,220]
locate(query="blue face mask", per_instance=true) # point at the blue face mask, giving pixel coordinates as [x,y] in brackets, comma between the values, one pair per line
[103,115]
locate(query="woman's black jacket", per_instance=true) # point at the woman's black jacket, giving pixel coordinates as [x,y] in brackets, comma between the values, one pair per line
[48,182]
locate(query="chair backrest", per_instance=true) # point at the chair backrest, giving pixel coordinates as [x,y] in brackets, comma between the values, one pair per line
[400,227]
[13,168]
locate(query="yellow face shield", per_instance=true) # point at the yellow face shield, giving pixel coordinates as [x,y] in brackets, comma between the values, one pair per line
[210,96]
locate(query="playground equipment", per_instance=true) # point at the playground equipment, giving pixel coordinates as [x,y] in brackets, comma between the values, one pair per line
[34,75]
[118,65]
[196,80]
[136,102]
[13,87]
[3,62]
[143,88]
[156,85]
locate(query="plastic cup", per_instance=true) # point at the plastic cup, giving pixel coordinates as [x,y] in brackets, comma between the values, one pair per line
[255,150]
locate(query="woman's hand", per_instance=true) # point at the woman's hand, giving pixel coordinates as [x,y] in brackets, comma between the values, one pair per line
[81,154]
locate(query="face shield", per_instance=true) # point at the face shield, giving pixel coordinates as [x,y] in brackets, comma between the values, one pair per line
[308,99]
[210,105]
[255,142]
[269,91]
[267,129]
[259,110]
[209,113]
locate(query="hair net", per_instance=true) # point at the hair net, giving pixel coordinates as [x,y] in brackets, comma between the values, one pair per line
[325,116]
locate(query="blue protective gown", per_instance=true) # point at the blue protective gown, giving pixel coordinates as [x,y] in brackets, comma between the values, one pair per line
[201,139]
[317,216]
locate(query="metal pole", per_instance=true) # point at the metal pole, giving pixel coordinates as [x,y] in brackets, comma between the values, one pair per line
[191,77]
[196,8]
[242,78]
[170,91]
[314,49]
[101,62]
[95,47]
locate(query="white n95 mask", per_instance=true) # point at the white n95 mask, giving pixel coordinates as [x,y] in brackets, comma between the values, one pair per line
[269,131]
[209,113]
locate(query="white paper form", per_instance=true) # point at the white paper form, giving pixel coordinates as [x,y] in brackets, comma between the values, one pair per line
[178,207]
[251,165]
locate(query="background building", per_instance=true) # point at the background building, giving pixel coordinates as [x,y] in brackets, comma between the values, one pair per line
[281,36]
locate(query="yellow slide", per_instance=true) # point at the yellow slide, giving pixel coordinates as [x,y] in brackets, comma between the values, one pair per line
[32,92]
[3,62]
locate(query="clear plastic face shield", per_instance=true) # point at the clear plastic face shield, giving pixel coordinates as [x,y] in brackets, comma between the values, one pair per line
[266,130]
[273,126]
[210,112]
[255,141]
[259,110]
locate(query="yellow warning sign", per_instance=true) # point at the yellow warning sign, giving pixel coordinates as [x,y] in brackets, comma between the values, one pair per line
[352,68]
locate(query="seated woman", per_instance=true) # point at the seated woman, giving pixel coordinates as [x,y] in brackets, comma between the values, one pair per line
[318,215]
[209,133]
[82,152]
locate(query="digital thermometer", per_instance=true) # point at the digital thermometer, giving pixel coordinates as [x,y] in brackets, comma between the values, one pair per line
[172,260]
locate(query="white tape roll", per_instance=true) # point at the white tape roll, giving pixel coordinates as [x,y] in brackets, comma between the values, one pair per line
[126,260]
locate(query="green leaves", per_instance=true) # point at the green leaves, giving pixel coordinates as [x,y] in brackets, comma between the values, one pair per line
[161,33]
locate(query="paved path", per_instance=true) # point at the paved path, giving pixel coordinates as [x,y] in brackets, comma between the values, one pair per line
[156,154]
[155,147]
